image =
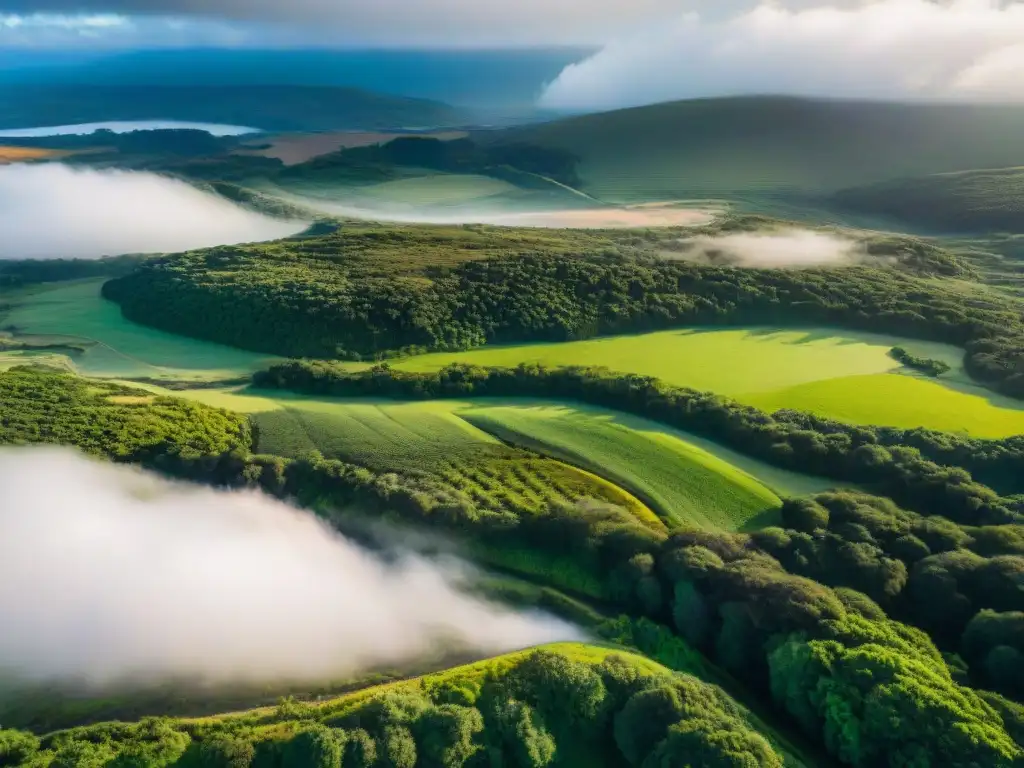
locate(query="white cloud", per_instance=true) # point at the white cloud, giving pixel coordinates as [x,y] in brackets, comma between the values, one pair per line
[63,21]
[108,574]
[962,49]
[51,210]
[788,248]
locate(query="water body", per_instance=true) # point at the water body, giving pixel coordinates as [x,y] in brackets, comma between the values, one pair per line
[126,126]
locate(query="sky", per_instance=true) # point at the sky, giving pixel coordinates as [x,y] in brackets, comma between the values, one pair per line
[647,50]
[421,23]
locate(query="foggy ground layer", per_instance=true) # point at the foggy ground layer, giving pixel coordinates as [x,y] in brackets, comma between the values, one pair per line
[636,216]
[109,574]
[784,248]
[56,211]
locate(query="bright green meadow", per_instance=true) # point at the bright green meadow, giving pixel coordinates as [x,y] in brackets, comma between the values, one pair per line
[682,477]
[843,375]
[681,481]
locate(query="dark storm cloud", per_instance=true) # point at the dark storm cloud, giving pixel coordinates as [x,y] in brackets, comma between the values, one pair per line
[462,22]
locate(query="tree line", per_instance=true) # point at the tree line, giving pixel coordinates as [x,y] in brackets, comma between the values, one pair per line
[318,303]
[847,453]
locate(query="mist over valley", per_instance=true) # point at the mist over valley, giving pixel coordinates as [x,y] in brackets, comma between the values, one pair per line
[52,210]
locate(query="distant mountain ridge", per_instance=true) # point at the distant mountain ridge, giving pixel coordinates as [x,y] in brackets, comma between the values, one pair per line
[268,107]
[774,144]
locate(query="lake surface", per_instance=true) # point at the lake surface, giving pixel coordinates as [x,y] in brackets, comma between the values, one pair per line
[126,126]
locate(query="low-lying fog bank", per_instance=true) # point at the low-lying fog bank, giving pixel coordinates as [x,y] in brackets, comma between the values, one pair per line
[791,248]
[125,126]
[110,574]
[634,217]
[54,210]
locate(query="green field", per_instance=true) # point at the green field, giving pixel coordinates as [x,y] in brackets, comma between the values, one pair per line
[434,189]
[726,362]
[76,314]
[901,401]
[671,472]
[773,369]
[429,439]
[684,483]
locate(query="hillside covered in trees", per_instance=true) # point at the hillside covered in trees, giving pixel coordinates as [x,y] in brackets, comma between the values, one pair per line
[370,293]
[582,704]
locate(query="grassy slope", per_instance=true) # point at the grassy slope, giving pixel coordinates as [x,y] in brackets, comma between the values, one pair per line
[669,470]
[436,189]
[472,677]
[117,348]
[722,361]
[654,438]
[684,483]
[765,144]
[969,201]
[426,437]
[837,374]
[900,401]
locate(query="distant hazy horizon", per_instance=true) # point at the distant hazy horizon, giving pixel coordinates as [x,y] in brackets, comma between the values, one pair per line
[125,126]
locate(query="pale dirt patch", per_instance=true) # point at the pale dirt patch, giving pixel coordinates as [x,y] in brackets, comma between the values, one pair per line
[292,149]
[651,215]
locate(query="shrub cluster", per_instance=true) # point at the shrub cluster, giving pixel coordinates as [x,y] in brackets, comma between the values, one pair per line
[924,364]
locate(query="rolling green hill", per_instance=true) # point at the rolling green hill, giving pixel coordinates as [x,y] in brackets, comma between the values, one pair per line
[567,697]
[968,201]
[766,144]
[687,484]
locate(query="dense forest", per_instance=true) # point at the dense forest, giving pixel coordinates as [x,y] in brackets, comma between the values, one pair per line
[581,705]
[111,420]
[375,293]
[786,610]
